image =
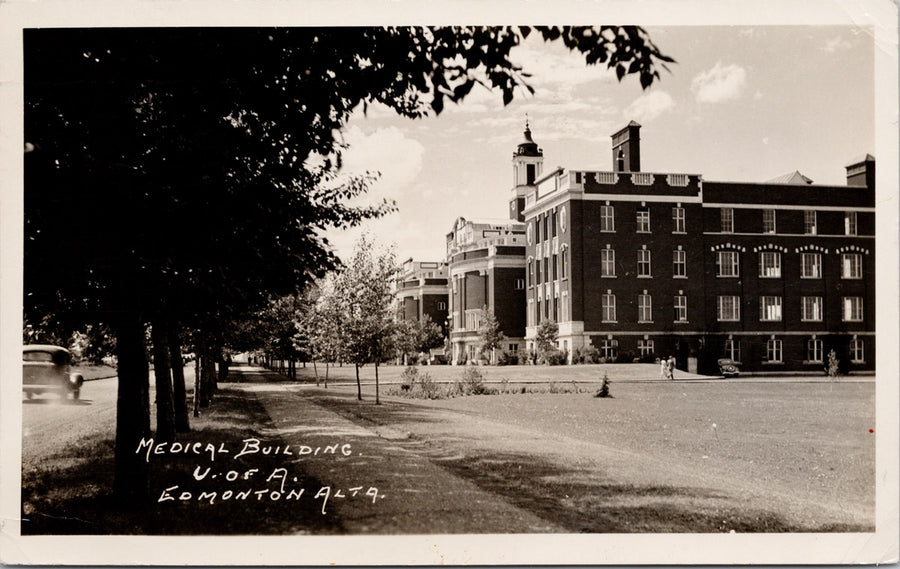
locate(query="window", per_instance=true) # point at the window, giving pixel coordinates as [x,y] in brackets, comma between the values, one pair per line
[811,308]
[770,308]
[679,263]
[553,224]
[814,350]
[729,309]
[852,309]
[609,349]
[857,351]
[643,263]
[607,262]
[546,269]
[727,263]
[811,266]
[529,274]
[770,265]
[773,351]
[851,266]
[643,220]
[473,320]
[546,227]
[726,214]
[537,274]
[608,306]
[441,305]
[809,222]
[768,221]
[529,174]
[681,308]
[850,223]
[513,348]
[645,348]
[520,284]
[645,308]
[555,265]
[732,350]
[677,220]
[564,264]
[607,218]
[537,230]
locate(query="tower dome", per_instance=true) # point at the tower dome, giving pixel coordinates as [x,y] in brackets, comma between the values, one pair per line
[528,147]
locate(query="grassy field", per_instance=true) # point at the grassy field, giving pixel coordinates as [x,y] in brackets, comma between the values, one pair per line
[522,373]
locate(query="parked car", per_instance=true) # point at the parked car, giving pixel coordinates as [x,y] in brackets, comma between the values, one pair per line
[48,369]
[727,368]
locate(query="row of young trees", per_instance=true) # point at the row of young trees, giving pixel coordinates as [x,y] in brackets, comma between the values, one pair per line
[184,177]
[346,317]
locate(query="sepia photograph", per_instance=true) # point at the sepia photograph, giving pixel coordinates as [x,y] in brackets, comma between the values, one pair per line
[423,287]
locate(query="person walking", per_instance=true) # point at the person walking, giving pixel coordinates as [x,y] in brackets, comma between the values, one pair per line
[663,368]
[671,366]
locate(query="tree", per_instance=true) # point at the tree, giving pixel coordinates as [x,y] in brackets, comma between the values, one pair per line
[546,336]
[199,166]
[416,336]
[365,286]
[490,334]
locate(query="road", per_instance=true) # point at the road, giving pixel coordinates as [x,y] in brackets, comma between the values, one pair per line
[51,424]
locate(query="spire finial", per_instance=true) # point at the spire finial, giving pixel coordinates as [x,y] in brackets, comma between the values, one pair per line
[526,121]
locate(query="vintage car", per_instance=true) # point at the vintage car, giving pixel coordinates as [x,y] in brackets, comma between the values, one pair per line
[47,369]
[727,368]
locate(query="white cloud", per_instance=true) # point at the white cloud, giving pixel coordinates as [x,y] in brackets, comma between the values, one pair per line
[386,150]
[649,106]
[721,83]
[837,44]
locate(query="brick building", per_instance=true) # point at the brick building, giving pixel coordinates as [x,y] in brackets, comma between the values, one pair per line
[641,264]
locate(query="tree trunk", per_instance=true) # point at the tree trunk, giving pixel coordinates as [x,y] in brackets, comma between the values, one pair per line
[377,400]
[223,369]
[326,374]
[316,372]
[198,383]
[132,481]
[208,368]
[179,395]
[358,384]
[165,406]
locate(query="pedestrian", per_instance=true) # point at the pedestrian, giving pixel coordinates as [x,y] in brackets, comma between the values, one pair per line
[663,368]
[671,367]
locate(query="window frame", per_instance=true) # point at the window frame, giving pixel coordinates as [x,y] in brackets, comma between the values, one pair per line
[851,223]
[735,264]
[775,304]
[642,220]
[681,308]
[849,311]
[769,224]
[679,258]
[643,264]
[857,347]
[814,347]
[817,305]
[645,309]
[817,265]
[678,220]
[726,220]
[735,308]
[810,222]
[855,271]
[775,268]
[774,351]
[608,264]
[608,308]
[607,219]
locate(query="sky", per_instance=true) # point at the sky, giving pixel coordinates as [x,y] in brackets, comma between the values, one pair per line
[739,104]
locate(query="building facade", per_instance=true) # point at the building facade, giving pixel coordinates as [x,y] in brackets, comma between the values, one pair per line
[421,290]
[643,265]
[486,260]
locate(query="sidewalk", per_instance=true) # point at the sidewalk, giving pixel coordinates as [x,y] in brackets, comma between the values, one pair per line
[376,460]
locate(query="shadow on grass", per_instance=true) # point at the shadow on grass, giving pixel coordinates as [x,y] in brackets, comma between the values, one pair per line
[580,500]
[72,493]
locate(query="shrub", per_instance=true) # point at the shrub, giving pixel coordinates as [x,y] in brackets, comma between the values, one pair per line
[604,387]
[409,377]
[833,367]
[508,358]
[473,382]
[554,357]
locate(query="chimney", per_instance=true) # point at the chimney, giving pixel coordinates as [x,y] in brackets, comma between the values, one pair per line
[626,149]
[861,172]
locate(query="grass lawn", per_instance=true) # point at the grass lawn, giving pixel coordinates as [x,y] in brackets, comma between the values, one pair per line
[802,452]
[521,373]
